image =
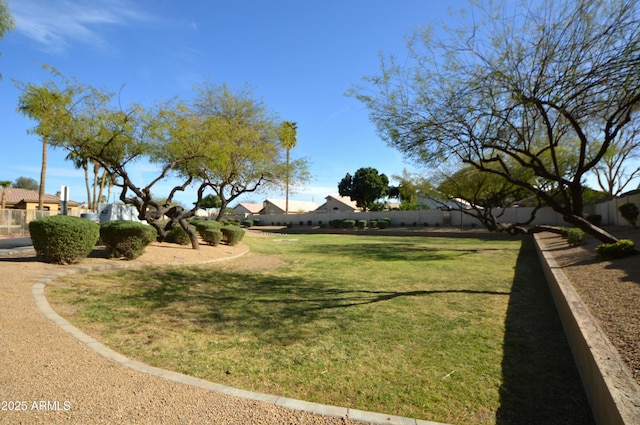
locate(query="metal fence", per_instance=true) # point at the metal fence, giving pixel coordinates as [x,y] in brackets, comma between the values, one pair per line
[16,222]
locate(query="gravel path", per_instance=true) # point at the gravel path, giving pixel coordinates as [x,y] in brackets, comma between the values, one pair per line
[49,377]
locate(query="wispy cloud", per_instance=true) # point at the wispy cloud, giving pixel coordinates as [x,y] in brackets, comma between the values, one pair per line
[55,25]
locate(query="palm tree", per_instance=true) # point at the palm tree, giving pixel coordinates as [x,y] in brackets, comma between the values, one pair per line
[288,140]
[81,162]
[5,184]
[36,103]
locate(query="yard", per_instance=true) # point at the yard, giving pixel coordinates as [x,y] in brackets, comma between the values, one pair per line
[454,330]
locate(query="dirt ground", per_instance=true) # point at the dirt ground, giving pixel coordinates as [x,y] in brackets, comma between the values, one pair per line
[610,289]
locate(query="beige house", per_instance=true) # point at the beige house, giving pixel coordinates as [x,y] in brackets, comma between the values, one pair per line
[25,199]
[336,203]
[247,208]
[278,206]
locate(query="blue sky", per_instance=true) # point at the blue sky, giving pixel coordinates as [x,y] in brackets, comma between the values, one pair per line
[299,57]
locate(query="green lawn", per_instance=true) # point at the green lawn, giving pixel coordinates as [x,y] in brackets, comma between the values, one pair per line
[455,330]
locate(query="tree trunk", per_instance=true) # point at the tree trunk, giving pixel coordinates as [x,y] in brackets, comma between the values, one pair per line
[43,174]
[193,237]
[595,231]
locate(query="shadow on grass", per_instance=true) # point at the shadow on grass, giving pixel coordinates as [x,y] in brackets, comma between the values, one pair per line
[272,308]
[393,251]
[541,384]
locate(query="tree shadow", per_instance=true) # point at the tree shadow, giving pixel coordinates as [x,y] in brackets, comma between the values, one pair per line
[271,308]
[541,384]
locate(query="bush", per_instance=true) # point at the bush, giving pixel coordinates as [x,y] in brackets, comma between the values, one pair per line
[361,224]
[247,223]
[629,212]
[373,223]
[383,224]
[126,238]
[232,235]
[178,235]
[212,236]
[202,226]
[335,224]
[62,239]
[348,224]
[574,236]
[611,251]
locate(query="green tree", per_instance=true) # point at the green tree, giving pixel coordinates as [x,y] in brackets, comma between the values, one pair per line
[210,201]
[522,86]
[288,139]
[81,162]
[7,22]
[42,104]
[243,152]
[26,183]
[82,119]
[410,190]
[365,187]
[485,196]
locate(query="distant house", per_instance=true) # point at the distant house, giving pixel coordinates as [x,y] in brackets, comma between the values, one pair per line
[335,203]
[278,206]
[25,199]
[247,208]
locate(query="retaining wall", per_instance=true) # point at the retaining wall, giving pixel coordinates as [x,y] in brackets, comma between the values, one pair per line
[613,393]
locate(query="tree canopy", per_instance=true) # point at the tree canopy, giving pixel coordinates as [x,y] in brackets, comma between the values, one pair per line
[26,183]
[546,86]
[223,140]
[365,187]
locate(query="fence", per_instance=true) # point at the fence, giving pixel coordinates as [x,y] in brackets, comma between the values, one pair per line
[16,222]
[607,210]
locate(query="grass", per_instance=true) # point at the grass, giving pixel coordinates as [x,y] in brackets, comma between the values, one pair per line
[455,330]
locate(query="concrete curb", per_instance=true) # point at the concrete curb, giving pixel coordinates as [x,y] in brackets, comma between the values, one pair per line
[613,393]
[325,410]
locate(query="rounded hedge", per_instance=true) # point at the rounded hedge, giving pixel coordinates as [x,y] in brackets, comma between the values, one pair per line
[178,235]
[62,239]
[202,226]
[232,235]
[126,239]
[212,236]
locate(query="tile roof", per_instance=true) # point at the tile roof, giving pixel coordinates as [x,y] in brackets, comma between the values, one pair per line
[294,206]
[15,196]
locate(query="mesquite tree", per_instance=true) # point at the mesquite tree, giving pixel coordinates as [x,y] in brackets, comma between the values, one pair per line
[546,86]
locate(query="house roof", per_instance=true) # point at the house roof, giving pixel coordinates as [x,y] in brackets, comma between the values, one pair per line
[343,200]
[294,206]
[16,195]
[251,207]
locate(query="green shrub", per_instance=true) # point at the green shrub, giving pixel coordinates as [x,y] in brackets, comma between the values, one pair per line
[62,239]
[202,226]
[126,239]
[335,224]
[212,236]
[611,251]
[309,223]
[247,223]
[574,236]
[256,221]
[629,212]
[178,235]
[348,224]
[383,224]
[232,235]
[373,223]
[362,224]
